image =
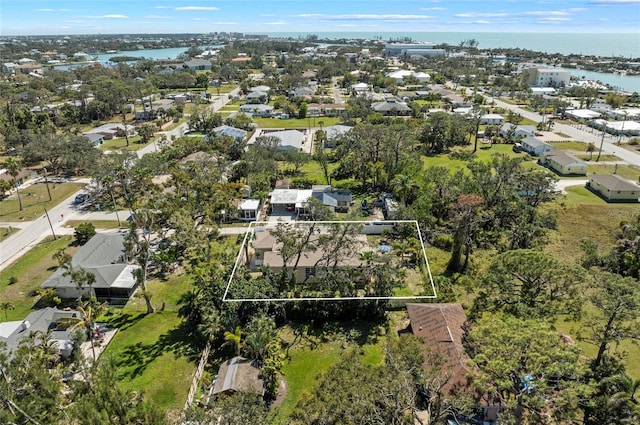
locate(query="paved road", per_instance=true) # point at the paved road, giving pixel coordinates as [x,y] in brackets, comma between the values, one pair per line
[337,95]
[32,232]
[581,133]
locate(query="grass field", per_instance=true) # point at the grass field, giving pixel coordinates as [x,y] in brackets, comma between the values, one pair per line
[484,153]
[626,171]
[34,200]
[154,353]
[120,143]
[98,224]
[32,269]
[313,353]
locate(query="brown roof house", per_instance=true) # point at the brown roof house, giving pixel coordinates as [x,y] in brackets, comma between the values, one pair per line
[441,327]
[238,374]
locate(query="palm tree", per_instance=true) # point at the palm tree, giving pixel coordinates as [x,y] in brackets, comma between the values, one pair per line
[591,148]
[89,314]
[13,167]
[234,338]
[403,187]
[6,306]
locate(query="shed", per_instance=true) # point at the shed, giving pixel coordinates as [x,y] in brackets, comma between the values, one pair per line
[238,374]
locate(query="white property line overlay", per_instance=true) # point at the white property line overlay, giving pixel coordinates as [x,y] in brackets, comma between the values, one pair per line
[253,224]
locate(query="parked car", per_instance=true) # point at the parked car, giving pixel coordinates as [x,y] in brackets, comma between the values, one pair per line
[517,147]
[81,198]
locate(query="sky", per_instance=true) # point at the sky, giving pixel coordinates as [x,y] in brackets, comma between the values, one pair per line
[56,17]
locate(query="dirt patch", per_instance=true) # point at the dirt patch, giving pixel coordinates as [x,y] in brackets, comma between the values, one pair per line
[282,393]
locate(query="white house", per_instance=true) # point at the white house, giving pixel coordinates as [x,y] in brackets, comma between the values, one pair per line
[519,131]
[535,146]
[491,119]
[546,77]
[249,209]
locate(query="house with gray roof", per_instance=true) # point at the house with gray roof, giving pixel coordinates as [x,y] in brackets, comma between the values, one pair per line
[335,132]
[104,256]
[519,131]
[613,188]
[198,65]
[258,110]
[49,319]
[391,108]
[95,138]
[564,163]
[238,374]
[535,146]
[336,200]
[257,97]
[288,139]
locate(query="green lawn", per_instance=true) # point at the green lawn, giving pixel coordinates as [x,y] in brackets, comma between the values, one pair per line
[154,353]
[574,146]
[484,153]
[98,224]
[120,143]
[31,270]
[313,354]
[224,89]
[625,171]
[34,200]
[5,232]
[299,123]
[588,157]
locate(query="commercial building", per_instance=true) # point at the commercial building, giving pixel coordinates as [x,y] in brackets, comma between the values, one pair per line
[412,49]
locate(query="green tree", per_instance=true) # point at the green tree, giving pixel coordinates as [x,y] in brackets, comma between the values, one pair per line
[404,187]
[88,316]
[530,283]
[523,365]
[146,132]
[615,318]
[84,232]
[14,166]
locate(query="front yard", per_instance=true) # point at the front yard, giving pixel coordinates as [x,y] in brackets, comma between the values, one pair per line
[34,200]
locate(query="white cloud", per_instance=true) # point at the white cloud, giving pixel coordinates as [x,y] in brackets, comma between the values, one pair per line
[156,17]
[113,16]
[426,9]
[199,8]
[552,19]
[276,23]
[162,7]
[363,17]
[482,22]
[199,19]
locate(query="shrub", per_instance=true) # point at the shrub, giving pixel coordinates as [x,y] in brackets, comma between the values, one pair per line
[84,232]
[634,141]
[13,280]
[48,296]
[443,242]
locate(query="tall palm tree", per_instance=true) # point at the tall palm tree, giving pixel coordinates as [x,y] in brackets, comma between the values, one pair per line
[13,167]
[591,148]
[403,187]
[89,313]
[6,306]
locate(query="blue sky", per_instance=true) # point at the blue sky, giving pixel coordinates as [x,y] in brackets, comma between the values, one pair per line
[38,17]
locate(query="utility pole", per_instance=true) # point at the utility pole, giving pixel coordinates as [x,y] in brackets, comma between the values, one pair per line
[604,131]
[50,225]
[46,182]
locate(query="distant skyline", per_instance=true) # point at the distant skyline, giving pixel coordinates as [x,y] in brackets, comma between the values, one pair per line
[62,17]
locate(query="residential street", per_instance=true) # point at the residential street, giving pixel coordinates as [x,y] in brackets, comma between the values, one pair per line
[585,136]
[32,232]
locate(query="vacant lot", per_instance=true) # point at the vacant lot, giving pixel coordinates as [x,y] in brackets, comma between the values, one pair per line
[34,200]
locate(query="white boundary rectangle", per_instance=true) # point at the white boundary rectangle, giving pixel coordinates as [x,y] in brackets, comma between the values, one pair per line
[253,224]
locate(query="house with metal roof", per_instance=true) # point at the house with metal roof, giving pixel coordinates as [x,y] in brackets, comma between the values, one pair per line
[613,188]
[238,374]
[226,130]
[104,256]
[519,131]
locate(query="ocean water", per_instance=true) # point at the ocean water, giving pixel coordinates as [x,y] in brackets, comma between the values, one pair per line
[625,45]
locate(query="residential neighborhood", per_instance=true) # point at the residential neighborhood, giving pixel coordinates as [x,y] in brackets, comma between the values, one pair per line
[258,229]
